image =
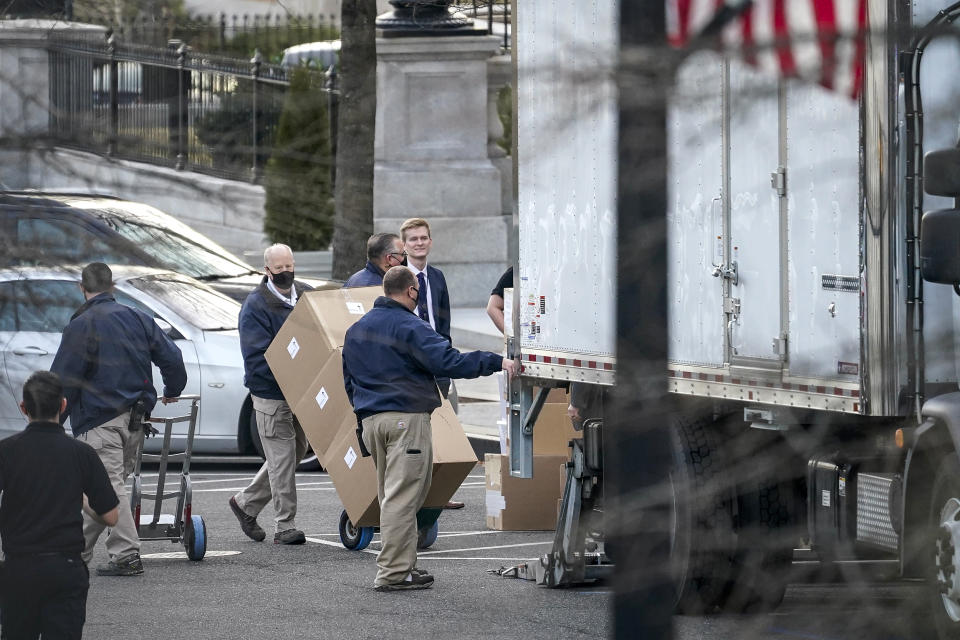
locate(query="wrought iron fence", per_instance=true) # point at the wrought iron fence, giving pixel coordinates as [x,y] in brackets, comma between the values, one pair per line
[495,14]
[169,106]
[233,35]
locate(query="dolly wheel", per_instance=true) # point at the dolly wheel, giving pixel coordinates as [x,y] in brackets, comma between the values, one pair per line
[195,538]
[428,535]
[353,537]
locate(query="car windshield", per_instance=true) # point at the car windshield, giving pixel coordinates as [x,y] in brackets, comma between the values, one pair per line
[172,244]
[198,304]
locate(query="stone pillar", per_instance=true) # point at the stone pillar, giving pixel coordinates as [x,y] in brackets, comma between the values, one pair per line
[431,158]
[25,87]
[499,75]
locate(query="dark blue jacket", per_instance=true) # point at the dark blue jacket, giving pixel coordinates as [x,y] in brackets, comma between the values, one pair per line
[369,276]
[391,359]
[104,362]
[261,317]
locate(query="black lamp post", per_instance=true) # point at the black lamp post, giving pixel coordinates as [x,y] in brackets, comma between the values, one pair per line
[425,18]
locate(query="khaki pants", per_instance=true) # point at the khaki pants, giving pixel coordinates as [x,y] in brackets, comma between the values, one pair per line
[117,448]
[284,445]
[402,448]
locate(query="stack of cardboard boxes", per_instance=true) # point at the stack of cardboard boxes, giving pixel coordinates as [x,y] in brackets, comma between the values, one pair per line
[530,504]
[306,360]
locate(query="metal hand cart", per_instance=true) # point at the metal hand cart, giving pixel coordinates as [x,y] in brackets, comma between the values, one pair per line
[358,538]
[183,526]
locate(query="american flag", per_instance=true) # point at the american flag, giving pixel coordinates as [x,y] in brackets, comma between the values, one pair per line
[818,40]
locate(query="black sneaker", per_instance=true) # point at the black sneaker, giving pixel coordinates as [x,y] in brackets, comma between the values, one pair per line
[128,566]
[289,536]
[415,580]
[248,523]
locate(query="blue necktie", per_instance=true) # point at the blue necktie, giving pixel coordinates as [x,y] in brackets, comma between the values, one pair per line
[422,298]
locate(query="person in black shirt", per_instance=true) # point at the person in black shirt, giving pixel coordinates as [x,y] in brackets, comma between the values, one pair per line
[495,303]
[47,478]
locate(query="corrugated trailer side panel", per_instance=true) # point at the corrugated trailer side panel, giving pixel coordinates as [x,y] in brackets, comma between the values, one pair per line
[566,155]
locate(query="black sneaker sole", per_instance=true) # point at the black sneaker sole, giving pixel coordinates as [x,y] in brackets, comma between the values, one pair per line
[406,586]
[301,539]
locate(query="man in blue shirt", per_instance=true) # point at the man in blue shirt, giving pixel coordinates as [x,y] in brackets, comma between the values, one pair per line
[391,361]
[104,361]
[384,250]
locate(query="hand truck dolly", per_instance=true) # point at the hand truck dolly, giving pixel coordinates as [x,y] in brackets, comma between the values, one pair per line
[183,526]
[359,538]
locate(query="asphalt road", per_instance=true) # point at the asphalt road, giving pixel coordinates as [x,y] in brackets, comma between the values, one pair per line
[244,589]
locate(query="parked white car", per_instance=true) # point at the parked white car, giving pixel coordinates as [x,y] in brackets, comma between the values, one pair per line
[37,303]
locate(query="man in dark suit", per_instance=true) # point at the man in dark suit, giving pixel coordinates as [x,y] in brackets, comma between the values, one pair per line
[433,303]
[433,308]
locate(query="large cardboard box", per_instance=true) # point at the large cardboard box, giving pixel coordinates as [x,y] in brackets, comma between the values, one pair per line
[524,504]
[313,330]
[355,477]
[324,404]
[553,430]
[306,360]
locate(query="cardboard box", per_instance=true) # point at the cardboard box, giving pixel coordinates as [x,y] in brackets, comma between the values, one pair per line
[313,330]
[355,477]
[324,405]
[306,360]
[523,504]
[553,431]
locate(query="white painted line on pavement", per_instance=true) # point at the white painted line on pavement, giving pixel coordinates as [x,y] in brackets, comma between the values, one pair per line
[500,546]
[236,489]
[337,544]
[488,559]
[182,555]
[473,484]
[457,534]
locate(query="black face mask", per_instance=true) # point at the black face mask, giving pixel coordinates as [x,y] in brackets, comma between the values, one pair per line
[282,280]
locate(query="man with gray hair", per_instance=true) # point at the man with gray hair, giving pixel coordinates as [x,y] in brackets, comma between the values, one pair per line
[283,440]
[384,250]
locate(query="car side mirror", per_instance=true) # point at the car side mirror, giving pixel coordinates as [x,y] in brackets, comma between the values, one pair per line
[940,246]
[167,328]
[941,173]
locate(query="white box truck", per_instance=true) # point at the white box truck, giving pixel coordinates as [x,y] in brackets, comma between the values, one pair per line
[814,369]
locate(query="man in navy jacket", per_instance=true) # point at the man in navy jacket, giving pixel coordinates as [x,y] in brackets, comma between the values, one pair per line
[384,250]
[283,440]
[391,360]
[104,362]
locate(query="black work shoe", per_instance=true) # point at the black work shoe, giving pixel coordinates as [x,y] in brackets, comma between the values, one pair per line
[128,566]
[248,523]
[419,572]
[289,536]
[415,580]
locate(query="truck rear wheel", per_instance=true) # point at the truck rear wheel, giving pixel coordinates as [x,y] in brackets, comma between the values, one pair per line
[702,523]
[764,549]
[943,545]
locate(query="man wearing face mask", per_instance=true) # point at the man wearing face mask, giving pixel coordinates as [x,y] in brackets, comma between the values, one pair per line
[283,440]
[384,250]
[391,361]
